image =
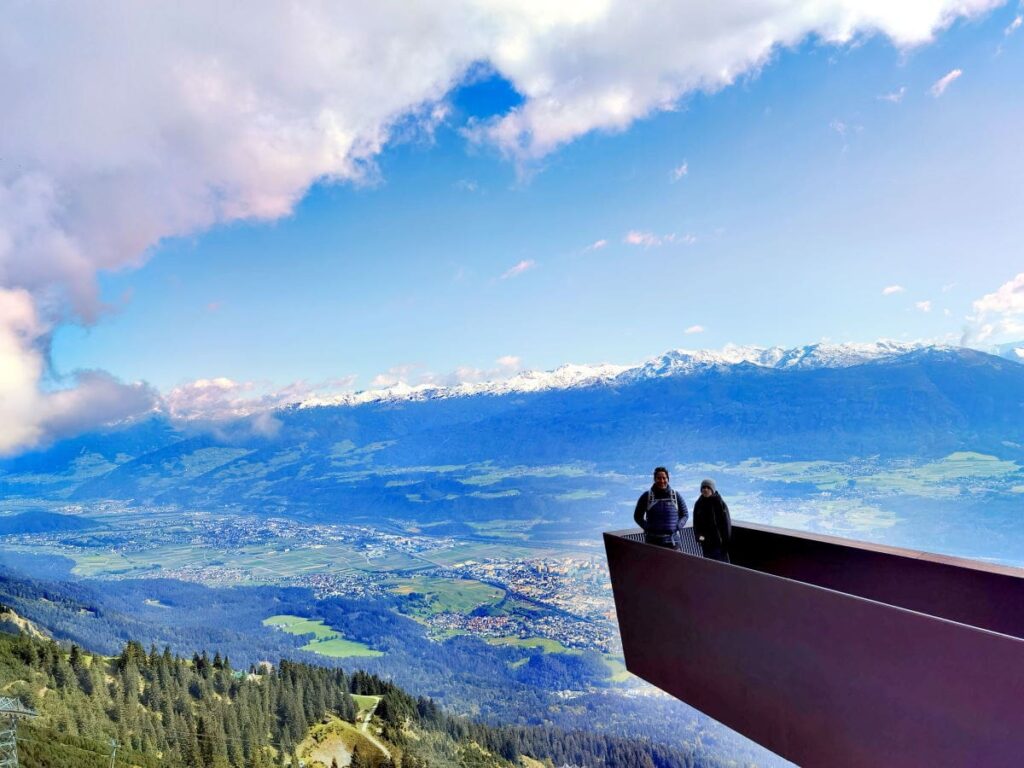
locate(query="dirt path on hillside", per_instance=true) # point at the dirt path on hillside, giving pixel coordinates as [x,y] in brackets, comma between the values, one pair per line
[364,728]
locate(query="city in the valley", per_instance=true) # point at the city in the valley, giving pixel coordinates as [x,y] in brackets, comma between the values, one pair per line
[488,588]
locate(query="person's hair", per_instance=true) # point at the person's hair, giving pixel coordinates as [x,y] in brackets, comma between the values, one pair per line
[662,469]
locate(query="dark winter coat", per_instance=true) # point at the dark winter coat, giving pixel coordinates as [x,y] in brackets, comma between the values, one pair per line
[712,521]
[657,518]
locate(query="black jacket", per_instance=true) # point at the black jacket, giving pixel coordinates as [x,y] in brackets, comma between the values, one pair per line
[711,520]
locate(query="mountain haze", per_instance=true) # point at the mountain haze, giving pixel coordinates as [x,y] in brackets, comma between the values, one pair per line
[810,403]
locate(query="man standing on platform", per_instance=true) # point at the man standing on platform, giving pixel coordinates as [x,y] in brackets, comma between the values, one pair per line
[661,512]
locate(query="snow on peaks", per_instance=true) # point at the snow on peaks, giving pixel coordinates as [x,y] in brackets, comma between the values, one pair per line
[676,362]
[681,361]
[564,377]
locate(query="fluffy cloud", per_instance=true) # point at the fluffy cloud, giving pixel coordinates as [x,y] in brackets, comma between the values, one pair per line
[602,65]
[997,314]
[889,290]
[128,123]
[222,404]
[597,245]
[939,86]
[694,329]
[923,306]
[31,415]
[680,171]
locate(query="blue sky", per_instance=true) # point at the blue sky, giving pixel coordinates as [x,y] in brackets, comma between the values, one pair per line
[771,207]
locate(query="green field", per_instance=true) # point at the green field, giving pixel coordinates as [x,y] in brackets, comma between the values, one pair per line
[297,625]
[494,494]
[325,642]
[617,668]
[365,703]
[260,564]
[952,476]
[545,644]
[447,595]
[515,530]
[488,475]
[826,475]
[964,471]
[581,495]
[339,648]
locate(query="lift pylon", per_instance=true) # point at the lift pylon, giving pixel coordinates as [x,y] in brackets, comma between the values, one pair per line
[11,710]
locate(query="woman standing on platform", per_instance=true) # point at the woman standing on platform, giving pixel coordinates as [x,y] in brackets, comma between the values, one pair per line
[711,522]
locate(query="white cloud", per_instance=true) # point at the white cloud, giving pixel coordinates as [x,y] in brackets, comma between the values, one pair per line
[210,399]
[646,239]
[939,86]
[889,290]
[128,123]
[695,329]
[396,374]
[31,415]
[680,171]
[999,314]
[509,361]
[597,245]
[518,269]
[1014,25]
[1007,300]
[210,402]
[838,126]
[467,185]
[649,239]
[894,97]
[620,61]
[923,306]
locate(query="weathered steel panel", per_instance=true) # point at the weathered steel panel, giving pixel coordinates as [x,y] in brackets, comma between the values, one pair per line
[819,676]
[969,592]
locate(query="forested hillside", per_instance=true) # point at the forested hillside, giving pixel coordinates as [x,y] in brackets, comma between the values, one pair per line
[164,710]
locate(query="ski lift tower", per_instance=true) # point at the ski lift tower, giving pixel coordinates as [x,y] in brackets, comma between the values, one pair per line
[10,711]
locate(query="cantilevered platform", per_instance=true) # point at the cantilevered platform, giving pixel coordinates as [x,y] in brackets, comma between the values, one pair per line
[831,652]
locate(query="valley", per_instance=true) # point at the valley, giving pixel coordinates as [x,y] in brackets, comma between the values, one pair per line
[454,544]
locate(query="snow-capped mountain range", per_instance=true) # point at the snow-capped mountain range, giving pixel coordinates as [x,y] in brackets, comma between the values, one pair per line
[676,362]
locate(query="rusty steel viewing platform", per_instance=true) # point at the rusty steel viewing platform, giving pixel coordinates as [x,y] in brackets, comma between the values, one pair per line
[832,652]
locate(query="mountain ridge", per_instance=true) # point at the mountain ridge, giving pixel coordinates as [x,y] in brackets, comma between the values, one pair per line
[674,362]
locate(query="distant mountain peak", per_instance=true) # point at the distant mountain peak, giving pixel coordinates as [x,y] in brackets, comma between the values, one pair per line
[822,355]
[676,362]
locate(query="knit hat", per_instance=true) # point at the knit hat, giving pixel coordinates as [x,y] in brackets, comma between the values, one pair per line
[708,484]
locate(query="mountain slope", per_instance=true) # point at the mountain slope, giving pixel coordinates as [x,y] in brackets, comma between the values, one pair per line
[176,713]
[804,404]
